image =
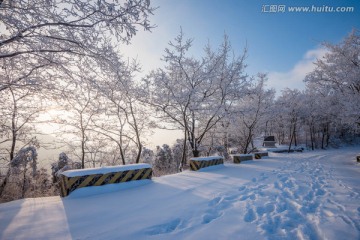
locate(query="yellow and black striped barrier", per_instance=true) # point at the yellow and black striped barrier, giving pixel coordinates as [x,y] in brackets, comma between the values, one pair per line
[203,162]
[262,154]
[257,156]
[75,179]
[238,158]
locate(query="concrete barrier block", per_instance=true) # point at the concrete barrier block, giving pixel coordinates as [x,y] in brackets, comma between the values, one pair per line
[75,179]
[262,154]
[238,158]
[202,162]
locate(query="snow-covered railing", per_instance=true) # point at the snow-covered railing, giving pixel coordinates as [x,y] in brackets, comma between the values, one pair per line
[202,162]
[238,158]
[79,178]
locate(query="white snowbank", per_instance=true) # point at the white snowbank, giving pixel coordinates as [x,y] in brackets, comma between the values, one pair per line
[310,195]
[104,170]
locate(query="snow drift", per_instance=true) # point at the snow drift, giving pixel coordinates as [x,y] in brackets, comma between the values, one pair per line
[311,195]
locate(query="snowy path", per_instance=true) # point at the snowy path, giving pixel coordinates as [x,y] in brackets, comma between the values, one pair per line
[312,195]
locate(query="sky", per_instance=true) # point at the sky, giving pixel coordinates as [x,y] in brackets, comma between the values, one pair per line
[282,43]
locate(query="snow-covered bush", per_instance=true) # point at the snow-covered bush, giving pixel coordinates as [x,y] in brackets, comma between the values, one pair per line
[164,161]
[20,183]
[147,156]
[63,164]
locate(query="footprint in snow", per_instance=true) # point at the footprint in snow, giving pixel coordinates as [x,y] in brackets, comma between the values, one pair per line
[250,215]
[278,185]
[338,205]
[214,201]
[269,208]
[231,198]
[320,192]
[287,194]
[263,177]
[210,216]
[242,188]
[252,196]
[260,211]
[243,198]
[164,228]
[309,197]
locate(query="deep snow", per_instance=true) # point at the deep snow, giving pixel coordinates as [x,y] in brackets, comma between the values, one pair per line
[310,195]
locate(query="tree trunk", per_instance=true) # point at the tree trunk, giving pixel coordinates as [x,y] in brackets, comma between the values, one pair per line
[312,137]
[183,157]
[83,153]
[291,139]
[23,189]
[295,136]
[328,135]
[196,152]
[3,184]
[323,137]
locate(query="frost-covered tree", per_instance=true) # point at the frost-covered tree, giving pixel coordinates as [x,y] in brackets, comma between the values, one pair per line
[17,132]
[77,102]
[195,94]
[147,155]
[64,163]
[41,37]
[178,151]
[19,182]
[164,161]
[337,73]
[249,117]
[339,69]
[289,103]
[125,120]
[17,118]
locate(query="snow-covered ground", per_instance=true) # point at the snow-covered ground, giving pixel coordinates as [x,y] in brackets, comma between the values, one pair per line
[310,195]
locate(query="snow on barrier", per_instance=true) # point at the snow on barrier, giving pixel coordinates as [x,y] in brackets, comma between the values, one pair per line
[238,158]
[75,179]
[202,162]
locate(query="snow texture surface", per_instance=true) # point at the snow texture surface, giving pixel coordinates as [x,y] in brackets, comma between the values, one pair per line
[104,170]
[310,195]
[242,155]
[206,158]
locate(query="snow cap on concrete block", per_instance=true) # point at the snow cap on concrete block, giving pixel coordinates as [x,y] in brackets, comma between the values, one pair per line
[206,158]
[242,155]
[104,170]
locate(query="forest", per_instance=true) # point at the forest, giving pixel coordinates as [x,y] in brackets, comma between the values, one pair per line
[61,64]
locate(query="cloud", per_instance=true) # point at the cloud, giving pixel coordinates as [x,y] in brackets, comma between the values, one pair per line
[293,79]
